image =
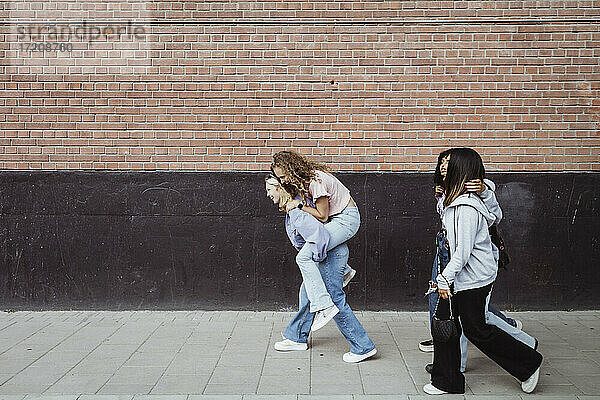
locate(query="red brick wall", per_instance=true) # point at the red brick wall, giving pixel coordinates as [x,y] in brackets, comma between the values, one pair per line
[204,92]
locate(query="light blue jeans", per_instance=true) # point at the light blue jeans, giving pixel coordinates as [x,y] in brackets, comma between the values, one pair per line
[341,228]
[332,272]
[493,319]
[499,314]
[314,286]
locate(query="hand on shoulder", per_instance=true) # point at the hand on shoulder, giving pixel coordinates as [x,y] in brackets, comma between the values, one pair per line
[475,186]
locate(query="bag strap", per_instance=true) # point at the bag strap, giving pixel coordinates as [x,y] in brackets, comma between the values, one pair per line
[438,299]
[438,303]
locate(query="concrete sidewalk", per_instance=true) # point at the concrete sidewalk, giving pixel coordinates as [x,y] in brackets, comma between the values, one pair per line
[229,356]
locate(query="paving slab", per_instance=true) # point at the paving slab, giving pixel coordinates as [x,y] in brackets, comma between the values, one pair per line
[180,384]
[229,355]
[282,385]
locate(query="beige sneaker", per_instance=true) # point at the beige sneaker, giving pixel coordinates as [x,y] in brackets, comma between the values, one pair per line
[519,324]
[354,358]
[288,345]
[323,317]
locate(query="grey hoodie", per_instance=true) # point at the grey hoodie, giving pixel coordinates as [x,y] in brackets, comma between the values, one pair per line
[473,258]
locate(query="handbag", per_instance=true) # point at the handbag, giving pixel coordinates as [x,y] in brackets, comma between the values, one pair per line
[443,330]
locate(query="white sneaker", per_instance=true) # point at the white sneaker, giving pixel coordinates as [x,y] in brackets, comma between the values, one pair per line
[348,277]
[322,317]
[288,345]
[529,385]
[354,358]
[519,324]
[430,389]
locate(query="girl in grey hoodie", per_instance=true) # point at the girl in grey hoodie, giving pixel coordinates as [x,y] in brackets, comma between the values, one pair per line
[468,278]
[486,192]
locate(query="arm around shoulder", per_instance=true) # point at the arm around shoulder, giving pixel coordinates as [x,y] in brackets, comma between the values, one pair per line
[488,196]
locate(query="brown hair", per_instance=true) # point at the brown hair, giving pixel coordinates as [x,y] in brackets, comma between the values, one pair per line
[300,169]
[465,164]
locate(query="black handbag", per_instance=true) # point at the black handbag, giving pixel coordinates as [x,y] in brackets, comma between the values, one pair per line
[443,330]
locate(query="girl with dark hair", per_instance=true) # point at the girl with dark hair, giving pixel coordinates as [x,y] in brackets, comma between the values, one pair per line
[468,278]
[486,191]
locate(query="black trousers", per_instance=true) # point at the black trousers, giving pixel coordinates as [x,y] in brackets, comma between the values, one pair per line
[446,373]
[515,357]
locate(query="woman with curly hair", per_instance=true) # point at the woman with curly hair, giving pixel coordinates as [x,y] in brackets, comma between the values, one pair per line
[333,204]
[305,232]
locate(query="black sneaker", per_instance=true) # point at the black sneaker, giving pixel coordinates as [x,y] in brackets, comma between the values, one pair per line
[426,346]
[429,368]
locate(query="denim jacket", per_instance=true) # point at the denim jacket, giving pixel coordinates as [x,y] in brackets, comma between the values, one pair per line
[303,228]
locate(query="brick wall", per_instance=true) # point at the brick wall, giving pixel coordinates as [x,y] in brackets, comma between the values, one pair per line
[362,85]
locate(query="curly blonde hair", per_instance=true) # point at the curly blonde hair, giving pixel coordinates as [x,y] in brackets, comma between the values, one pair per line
[300,169]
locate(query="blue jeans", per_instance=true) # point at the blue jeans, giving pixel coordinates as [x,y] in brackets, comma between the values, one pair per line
[433,296]
[332,271]
[499,314]
[341,227]
[442,257]
[492,319]
[312,281]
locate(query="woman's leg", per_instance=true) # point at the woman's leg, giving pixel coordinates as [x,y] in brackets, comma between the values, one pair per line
[427,345]
[499,314]
[445,374]
[441,253]
[463,351]
[433,296]
[343,226]
[299,327]
[332,271]
[313,282]
[492,318]
[518,359]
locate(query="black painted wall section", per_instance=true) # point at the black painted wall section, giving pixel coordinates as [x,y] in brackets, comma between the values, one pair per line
[169,240]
